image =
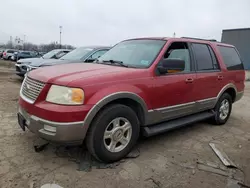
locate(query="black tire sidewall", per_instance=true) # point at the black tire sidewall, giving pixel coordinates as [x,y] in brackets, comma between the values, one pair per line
[100,125]
[218,120]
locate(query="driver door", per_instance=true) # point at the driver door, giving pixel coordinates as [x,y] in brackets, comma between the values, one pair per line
[174,91]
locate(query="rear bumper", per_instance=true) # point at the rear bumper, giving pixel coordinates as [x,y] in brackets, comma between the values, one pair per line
[58,132]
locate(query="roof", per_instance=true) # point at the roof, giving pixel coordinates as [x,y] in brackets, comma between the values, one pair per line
[183,39]
[95,47]
[239,29]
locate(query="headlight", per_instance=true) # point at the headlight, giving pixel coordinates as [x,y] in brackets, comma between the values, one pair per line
[65,95]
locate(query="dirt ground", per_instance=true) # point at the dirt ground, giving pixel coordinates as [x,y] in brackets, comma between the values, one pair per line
[181,158]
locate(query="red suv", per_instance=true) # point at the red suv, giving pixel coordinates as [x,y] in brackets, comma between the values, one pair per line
[145,85]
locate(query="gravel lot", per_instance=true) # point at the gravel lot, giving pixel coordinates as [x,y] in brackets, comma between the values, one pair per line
[169,160]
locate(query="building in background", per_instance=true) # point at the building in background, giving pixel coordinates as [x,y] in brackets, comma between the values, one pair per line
[240,38]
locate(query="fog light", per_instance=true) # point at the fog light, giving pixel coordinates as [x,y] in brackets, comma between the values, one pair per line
[50,128]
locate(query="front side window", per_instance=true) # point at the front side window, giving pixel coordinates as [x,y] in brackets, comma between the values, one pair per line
[178,51]
[98,54]
[203,57]
[60,54]
[231,58]
[135,53]
[77,54]
[50,54]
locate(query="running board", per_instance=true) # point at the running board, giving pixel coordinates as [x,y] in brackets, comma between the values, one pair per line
[173,124]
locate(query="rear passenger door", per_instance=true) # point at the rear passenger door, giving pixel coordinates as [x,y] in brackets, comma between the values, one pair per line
[209,80]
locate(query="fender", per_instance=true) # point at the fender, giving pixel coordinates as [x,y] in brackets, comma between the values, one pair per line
[109,98]
[230,85]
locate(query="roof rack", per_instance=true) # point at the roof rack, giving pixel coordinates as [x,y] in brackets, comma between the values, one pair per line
[212,40]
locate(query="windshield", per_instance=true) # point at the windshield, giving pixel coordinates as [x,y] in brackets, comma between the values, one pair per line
[50,54]
[77,54]
[134,53]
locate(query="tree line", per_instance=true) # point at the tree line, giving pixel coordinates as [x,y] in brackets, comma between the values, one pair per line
[34,47]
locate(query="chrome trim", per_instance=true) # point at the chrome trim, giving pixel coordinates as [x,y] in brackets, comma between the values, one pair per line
[206,104]
[20,92]
[230,85]
[174,106]
[109,98]
[55,123]
[208,99]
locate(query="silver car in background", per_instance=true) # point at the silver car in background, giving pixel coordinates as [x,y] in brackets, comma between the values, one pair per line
[8,53]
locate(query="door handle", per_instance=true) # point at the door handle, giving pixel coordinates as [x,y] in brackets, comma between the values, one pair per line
[220,77]
[189,80]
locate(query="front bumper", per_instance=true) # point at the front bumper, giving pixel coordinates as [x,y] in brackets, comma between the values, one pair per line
[59,132]
[21,70]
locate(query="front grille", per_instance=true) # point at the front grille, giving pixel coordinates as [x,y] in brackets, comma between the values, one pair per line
[31,88]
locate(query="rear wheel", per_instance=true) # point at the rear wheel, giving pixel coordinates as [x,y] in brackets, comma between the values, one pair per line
[113,133]
[223,109]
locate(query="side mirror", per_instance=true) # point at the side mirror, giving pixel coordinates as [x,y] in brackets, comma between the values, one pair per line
[171,66]
[90,60]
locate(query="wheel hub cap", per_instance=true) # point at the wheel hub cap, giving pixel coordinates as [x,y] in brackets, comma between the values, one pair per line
[117,134]
[224,109]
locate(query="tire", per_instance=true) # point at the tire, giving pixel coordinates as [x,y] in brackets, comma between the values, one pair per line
[105,122]
[221,118]
[9,58]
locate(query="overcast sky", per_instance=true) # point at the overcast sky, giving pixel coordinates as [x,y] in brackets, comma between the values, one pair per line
[106,22]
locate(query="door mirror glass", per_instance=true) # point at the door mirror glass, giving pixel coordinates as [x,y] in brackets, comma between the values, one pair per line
[171,66]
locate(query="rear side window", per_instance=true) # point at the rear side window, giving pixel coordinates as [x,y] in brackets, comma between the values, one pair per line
[10,51]
[231,58]
[203,57]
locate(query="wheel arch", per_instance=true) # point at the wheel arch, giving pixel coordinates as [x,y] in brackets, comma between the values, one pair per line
[230,89]
[127,98]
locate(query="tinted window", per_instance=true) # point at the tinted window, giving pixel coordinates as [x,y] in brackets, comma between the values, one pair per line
[10,51]
[179,50]
[231,58]
[98,54]
[77,54]
[60,54]
[26,53]
[50,54]
[134,53]
[203,57]
[215,61]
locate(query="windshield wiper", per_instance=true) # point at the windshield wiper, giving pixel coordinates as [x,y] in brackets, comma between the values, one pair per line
[115,62]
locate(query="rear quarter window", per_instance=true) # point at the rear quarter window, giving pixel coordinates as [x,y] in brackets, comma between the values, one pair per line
[231,58]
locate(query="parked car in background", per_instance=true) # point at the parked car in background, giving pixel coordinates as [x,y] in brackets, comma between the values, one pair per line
[1,53]
[7,54]
[147,86]
[22,64]
[82,54]
[24,54]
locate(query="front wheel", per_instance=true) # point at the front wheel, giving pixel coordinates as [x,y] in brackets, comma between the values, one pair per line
[113,133]
[223,109]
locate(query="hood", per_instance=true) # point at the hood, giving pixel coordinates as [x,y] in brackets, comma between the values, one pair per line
[64,74]
[59,62]
[43,61]
[29,60]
